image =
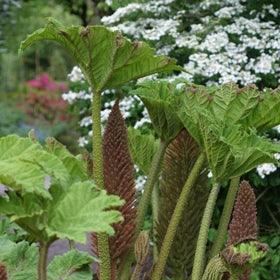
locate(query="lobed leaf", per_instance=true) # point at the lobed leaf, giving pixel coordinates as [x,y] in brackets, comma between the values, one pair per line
[24,166]
[20,259]
[80,210]
[72,265]
[106,58]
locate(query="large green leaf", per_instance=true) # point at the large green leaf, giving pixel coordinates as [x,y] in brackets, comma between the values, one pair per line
[142,149]
[24,166]
[20,259]
[106,58]
[72,265]
[82,210]
[160,99]
[219,120]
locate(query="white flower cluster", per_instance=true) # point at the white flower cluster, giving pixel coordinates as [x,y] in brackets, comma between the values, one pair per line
[215,53]
[267,168]
[76,75]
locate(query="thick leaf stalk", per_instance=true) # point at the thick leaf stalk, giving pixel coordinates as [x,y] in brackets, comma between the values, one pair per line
[178,211]
[98,177]
[118,180]
[42,263]
[225,217]
[199,257]
[179,160]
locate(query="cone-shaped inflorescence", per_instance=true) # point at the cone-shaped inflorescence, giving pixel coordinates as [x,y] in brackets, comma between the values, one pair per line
[243,226]
[3,273]
[119,180]
[178,162]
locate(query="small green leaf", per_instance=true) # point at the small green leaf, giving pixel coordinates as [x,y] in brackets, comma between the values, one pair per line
[105,57]
[142,149]
[82,209]
[275,241]
[275,260]
[72,265]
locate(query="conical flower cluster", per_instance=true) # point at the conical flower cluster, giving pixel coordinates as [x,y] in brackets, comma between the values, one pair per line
[119,180]
[179,160]
[243,225]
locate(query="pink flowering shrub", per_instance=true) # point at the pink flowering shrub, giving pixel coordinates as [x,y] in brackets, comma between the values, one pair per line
[44,100]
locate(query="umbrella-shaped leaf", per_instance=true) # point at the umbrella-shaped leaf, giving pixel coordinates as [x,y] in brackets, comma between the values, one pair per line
[160,99]
[142,149]
[80,210]
[72,265]
[106,58]
[24,166]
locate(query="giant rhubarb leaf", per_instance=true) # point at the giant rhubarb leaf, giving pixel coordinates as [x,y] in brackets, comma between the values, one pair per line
[216,118]
[106,58]
[72,207]
[160,99]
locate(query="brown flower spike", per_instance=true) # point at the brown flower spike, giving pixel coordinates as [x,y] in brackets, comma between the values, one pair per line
[243,226]
[118,180]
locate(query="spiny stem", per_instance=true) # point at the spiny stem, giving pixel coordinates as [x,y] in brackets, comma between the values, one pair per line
[144,202]
[225,217]
[203,232]
[42,263]
[98,177]
[171,231]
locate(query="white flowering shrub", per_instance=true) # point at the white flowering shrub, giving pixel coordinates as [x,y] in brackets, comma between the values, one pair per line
[216,41]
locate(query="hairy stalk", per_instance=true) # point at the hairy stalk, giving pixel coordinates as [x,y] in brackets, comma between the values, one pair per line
[171,231]
[42,263]
[152,178]
[155,206]
[144,203]
[203,233]
[103,243]
[225,217]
